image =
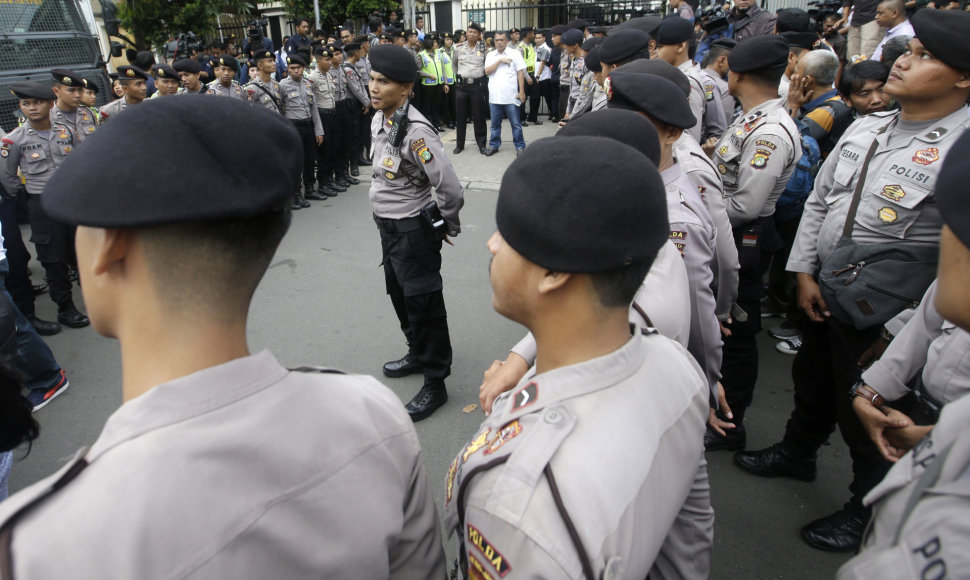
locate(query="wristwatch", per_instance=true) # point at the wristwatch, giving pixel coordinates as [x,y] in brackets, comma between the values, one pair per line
[860,389]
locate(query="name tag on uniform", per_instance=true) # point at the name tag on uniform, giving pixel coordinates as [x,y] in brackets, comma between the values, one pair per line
[390,159]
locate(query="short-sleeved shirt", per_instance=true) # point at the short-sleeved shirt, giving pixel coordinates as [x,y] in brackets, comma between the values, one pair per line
[503,83]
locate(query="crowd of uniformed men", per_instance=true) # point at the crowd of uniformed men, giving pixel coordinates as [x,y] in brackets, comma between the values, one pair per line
[774,166]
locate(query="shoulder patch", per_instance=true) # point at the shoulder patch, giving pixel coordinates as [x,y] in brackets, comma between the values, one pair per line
[525,397]
[485,548]
[768,144]
[760,159]
[417,145]
[504,435]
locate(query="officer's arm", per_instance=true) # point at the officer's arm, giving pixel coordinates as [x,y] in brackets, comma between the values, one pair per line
[9,163]
[759,168]
[715,122]
[585,100]
[704,342]
[726,251]
[804,252]
[696,100]
[432,160]
[493,548]
[315,114]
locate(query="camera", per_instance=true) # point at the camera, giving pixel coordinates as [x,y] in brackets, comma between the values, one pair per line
[182,45]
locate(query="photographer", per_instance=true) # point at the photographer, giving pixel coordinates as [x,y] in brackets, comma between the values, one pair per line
[301,38]
[255,39]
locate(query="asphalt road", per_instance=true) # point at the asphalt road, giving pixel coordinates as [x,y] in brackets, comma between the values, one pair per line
[323,303]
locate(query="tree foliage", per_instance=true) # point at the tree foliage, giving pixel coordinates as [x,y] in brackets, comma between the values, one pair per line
[152,22]
[334,12]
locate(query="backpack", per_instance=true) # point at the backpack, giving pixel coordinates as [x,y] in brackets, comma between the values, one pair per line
[792,200]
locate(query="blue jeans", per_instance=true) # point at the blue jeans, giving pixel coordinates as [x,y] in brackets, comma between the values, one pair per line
[35,361]
[512,112]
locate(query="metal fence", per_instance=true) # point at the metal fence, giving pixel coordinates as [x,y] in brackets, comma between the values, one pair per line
[543,14]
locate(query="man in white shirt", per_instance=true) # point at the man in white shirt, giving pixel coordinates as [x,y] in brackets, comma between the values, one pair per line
[506,85]
[891,15]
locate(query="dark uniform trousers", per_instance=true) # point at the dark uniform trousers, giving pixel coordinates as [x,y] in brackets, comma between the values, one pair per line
[470,98]
[305,128]
[18,284]
[52,240]
[533,98]
[563,100]
[348,113]
[756,242]
[412,276]
[364,136]
[781,283]
[823,371]
[429,102]
[544,92]
[327,151]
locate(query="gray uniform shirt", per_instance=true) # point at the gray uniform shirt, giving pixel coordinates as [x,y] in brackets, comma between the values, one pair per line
[724,94]
[299,102]
[403,176]
[708,111]
[702,173]
[36,155]
[897,200]
[565,63]
[577,72]
[692,232]
[756,157]
[82,123]
[932,539]
[340,92]
[234,90]
[355,84]
[323,88]
[113,108]
[243,470]
[470,61]
[587,94]
[622,434]
[258,96]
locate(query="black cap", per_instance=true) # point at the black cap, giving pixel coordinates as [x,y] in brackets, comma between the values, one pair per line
[803,40]
[598,29]
[68,78]
[951,189]
[189,65]
[527,29]
[648,24]
[411,32]
[475,26]
[32,90]
[91,85]
[572,37]
[650,94]
[446,35]
[592,60]
[394,62]
[511,30]
[547,216]
[322,51]
[674,31]
[558,29]
[352,46]
[164,71]
[758,53]
[131,73]
[619,124]
[661,68]
[623,44]
[295,59]
[229,61]
[578,24]
[592,41]
[216,182]
[728,43]
[944,33]
[263,54]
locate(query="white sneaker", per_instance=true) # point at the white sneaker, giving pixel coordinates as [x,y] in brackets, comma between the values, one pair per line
[790,346]
[782,332]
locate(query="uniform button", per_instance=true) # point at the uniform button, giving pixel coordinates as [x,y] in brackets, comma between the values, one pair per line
[553,417]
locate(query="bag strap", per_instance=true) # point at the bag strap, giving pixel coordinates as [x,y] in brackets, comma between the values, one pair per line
[860,183]
[276,101]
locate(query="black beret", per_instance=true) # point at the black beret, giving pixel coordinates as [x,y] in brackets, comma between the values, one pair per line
[91,85]
[650,94]
[758,53]
[648,24]
[548,218]
[578,24]
[728,43]
[674,31]
[591,42]
[322,51]
[661,68]
[189,65]
[263,54]
[228,61]
[352,46]
[592,60]
[623,44]
[394,62]
[572,37]
[216,182]
[295,59]
[598,29]
[474,26]
[619,124]
[511,30]
[944,33]
[528,29]
[446,35]
[131,73]
[411,32]
[32,90]
[803,40]
[163,71]
[951,189]
[66,77]
[558,29]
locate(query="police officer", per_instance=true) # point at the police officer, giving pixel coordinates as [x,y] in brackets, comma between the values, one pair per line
[264,90]
[755,159]
[919,508]
[528,50]
[324,92]
[341,447]
[132,80]
[573,42]
[167,81]
[348,114]
[357,87]
[532,491]
[430,89]
[715,65]
[67,110]
[300,107]
[469,64]
[405,170]
[189,70]
[896,182]
[674,38]
[37,149]
[225,85]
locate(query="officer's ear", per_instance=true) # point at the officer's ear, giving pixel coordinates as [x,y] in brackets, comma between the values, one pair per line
[964,81]
[104,249]
[552,281]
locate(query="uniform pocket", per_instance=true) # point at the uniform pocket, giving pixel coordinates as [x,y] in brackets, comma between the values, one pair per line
[36,162]
[890,208]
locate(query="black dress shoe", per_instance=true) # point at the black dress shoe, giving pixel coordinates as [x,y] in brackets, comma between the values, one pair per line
[839,532]
[536,122]
[364,162]
[733,441]
[317,195]
[341,182]
[295,204]
[303,201]
[72,318]
[340,188]
[450,125]
[776,461]
[43,327]
[431,396]
[354,170]
[483,150]
[327,189]
[352,180]
[39,288]
[525,123]
[458,150]
[402,367]
[489,152]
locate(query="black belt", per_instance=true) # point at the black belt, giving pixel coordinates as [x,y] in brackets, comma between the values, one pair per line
[326,112]
[302,122]
[470,81]
[402,226]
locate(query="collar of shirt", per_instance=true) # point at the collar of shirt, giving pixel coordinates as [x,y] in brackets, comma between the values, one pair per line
[818,102]
[188,397]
